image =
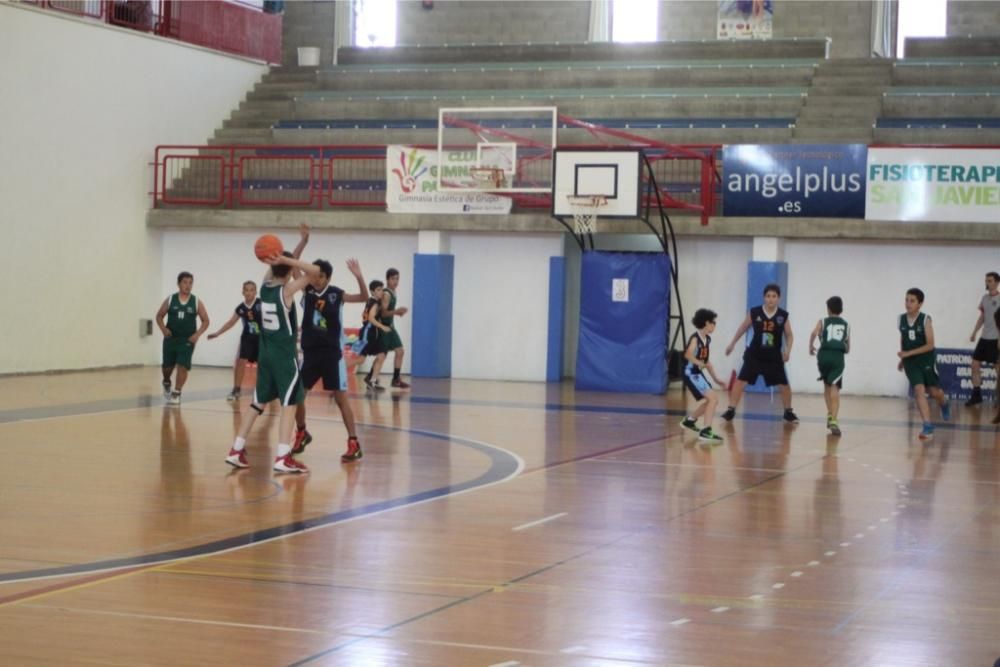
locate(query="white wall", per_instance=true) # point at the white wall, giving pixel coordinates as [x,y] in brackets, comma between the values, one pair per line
[84,105]
[500,321]
[221,259]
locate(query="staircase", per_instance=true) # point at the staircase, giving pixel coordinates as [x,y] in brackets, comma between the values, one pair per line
[843,102]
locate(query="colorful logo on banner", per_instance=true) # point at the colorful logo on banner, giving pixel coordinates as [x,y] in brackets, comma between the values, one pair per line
[933,184]
[411,186]
[794,180]
[745,19]
[954,368]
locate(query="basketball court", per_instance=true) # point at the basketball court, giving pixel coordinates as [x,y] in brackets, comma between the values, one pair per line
[490,524]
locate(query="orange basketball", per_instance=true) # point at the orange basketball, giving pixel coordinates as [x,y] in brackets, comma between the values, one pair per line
[267,245]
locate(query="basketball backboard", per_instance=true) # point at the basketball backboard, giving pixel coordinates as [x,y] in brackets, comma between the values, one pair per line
[496,149]
[613,174]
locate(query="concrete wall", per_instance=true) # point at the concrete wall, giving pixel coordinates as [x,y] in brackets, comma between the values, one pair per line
[979,18]
[491,22]
[84,105]
[308,24]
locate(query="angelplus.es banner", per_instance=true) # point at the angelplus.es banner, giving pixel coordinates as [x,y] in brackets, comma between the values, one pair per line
[794,180]
[933,184]
[411,186]
[954,369]
[745,19]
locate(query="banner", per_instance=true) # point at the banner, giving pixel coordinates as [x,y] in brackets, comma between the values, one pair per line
[933,184]
[794,180]
[745,19]
[954,368]
[411,186]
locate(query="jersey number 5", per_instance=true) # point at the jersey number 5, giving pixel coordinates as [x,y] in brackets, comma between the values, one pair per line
[269,316]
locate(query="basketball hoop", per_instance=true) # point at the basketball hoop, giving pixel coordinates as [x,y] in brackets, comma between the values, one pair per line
[585,211]
[488,177]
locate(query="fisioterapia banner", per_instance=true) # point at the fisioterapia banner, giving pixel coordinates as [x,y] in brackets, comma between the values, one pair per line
[933,184]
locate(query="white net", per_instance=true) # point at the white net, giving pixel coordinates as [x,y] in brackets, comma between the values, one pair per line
[585,212]
[488,177]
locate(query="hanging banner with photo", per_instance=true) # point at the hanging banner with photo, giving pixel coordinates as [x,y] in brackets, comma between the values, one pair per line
[411,186]
[954,368]
[745,19]
[933,184]
[794,180]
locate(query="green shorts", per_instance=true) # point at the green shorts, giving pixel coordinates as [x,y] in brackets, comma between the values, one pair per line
[831,367]
[922,370]
[278,378]
[177,352]
[390,341]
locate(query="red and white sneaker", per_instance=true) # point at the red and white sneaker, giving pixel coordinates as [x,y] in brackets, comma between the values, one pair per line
[353,452]
[287,463]
[237,459]
[400,384]
[302,438]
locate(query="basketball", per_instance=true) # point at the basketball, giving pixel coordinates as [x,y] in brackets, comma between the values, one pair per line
[267,245]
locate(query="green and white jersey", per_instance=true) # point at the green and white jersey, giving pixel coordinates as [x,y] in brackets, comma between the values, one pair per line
[181,316]
[834,334]
[914,335]
[277,330]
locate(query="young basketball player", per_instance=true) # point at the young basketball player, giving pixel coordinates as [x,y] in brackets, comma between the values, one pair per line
[180,334]
[391,341]
[369,343]
[834,342]
[248,312]
[696,353]
[323,346]
[986,348]
[918,360]
[767,353]
[278,368]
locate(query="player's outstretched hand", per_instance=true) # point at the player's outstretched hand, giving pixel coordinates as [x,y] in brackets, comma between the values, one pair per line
[213,336]
[273,260]
[729,349]
[354,267]
[304,231]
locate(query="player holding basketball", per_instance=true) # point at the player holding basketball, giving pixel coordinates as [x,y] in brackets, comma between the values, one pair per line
[834,342]
[391,341]
[180,334]
[323,346]
[767,353]
[986,349]
[278,369]
[696,353]
[918,360]
[248,311]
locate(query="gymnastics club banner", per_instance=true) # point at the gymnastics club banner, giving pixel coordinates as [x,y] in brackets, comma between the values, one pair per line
[933,184]
[794,180]
[411,186]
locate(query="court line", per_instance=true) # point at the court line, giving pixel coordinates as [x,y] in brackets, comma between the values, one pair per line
[540,521]
[506,465]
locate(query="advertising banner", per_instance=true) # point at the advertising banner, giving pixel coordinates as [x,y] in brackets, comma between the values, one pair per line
[411,186]
[933,184]
[745,19]
[954,368]
[794,180]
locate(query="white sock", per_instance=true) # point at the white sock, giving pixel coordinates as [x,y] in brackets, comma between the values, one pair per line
[239,444]
[283,450]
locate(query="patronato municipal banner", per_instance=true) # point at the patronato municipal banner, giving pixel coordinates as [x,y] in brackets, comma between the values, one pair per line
[954,369]
[411,186]
[933,184]
[744,19]
[794,180]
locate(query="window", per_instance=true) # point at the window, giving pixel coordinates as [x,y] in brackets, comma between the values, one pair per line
[920,18]
[374,23]
[634,21]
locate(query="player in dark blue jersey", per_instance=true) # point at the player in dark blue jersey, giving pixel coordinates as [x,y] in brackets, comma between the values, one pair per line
[248,312]
[696,354]
[766,354]
[323,345]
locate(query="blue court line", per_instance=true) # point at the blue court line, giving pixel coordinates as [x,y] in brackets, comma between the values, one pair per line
[503,465]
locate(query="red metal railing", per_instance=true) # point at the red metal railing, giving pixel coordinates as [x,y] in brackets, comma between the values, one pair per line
[224,26]
[334,176]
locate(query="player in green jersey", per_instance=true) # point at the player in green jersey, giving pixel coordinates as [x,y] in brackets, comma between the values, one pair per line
[180,334]
[918,360]
[834,342]
[277,367]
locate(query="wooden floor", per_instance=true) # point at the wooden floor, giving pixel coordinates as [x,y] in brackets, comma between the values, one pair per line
[490,524]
